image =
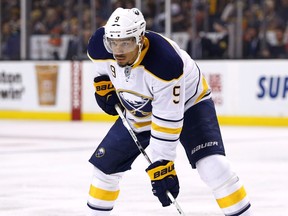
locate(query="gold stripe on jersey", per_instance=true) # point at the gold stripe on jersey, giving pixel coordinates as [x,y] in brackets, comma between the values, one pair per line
[165,129]
[162,80]
[100,60]
[205,89]
[232,199]
[90,57]
[102,194]
[142,124]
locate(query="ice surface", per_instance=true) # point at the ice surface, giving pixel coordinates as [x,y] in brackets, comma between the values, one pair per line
[44,171]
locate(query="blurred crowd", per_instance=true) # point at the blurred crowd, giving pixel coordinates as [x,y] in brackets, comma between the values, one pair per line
[210,24]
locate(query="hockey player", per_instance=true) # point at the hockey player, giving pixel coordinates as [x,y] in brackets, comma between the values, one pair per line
[166,101]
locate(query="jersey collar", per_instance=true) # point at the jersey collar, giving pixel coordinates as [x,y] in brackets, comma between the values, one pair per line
[144,50]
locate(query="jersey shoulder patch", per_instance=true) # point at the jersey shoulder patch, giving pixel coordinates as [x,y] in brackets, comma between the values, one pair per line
[161,59]
[95,48]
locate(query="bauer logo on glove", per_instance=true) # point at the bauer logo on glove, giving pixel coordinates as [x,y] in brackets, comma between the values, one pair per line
[103,87]
[105,94]
[163,178]
[161,172]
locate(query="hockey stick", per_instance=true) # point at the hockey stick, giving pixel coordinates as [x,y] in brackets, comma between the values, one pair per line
[142,150]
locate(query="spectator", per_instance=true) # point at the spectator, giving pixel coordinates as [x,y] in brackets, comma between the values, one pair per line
[251,43]
[77,46]
[72,50]
[178,20]
[55,41]
[282,11]
[194,45]
[51,19]
[46,16]
[11,45]
[278,48]
[215,44]
[37,25]
[159,19]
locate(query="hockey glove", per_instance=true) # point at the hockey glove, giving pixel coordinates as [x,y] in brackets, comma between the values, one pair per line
[163,178]
[105,94]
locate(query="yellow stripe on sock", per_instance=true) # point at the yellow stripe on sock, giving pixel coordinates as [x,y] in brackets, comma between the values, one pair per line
[101,194]
[232,199]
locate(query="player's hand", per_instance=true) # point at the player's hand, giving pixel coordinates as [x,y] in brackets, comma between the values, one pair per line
[105,94]
[163,178]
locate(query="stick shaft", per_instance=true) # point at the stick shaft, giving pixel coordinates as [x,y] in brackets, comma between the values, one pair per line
[142,150]
[126,124]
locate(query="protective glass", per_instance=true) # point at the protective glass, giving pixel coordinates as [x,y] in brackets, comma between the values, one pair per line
[120,46]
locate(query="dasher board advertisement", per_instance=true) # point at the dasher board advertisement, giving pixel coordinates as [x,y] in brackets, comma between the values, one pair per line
[248,88]
[35,86]
[62,89]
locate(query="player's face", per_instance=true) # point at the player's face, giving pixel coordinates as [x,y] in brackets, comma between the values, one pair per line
[125,51]
[121,46]
[127,58]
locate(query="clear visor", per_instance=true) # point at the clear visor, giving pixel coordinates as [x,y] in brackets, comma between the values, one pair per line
[120,46]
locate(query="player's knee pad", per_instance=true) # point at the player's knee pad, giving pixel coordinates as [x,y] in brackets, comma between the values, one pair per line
[104,191]
[228,190]
[214,170]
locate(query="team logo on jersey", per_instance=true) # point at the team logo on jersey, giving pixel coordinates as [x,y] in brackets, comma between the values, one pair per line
[100,152]
[139,105]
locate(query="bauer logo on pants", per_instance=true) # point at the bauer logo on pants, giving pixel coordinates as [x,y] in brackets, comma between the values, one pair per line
[100,152]
[205,145]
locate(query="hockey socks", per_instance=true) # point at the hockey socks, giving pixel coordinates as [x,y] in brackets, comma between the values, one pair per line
[104,191]
[228,190]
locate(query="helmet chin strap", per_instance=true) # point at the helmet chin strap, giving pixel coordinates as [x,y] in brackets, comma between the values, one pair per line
[127,70]
[139,52]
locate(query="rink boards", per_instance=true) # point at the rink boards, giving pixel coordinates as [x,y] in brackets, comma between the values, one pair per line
[245,92]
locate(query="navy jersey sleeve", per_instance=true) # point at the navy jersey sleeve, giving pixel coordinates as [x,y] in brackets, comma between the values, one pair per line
[162,59]
[96,49]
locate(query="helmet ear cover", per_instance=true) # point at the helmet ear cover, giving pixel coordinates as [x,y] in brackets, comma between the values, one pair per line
[124,23]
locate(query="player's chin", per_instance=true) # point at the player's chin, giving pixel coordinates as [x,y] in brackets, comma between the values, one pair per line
[122,62]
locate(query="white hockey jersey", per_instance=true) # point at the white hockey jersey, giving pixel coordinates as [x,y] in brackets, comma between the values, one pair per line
[156,91]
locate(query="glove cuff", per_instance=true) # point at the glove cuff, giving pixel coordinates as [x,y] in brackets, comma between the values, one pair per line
[158,171]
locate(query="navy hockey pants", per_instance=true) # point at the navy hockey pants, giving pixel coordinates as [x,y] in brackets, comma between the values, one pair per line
[200,137]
